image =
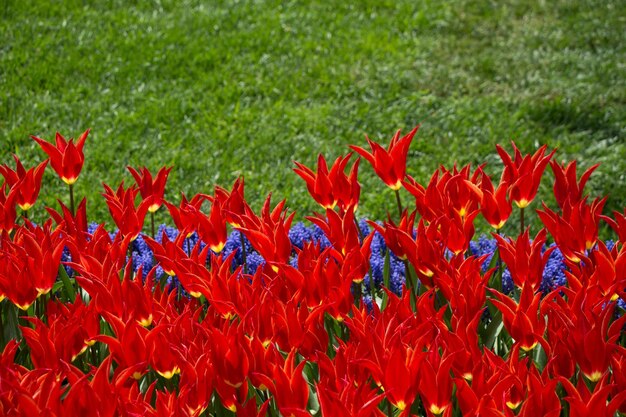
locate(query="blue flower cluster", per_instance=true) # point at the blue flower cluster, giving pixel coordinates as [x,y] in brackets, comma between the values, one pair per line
[553,275]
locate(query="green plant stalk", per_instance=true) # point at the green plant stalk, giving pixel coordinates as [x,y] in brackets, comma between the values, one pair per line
[357,296]
[521,220]
[369,270]
[72,199]
[399,203]
[412,285]
[2,343]
[152,224]
[243,252]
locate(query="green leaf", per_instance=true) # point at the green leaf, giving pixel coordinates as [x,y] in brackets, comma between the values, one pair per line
[70,292]
[11,329]
[386,274]
[493,329]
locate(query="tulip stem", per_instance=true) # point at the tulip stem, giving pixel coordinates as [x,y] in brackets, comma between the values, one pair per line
[152,224]
[521,220]
[369,270]
[399,203]
[2,344]
[72,198]
[243,252]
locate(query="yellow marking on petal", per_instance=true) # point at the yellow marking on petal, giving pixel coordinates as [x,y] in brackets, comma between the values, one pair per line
[69,181]
[146,322]
[237,385]
[153,208]
[436,410]
[513,405]
[574,258]
[26,206]
[79,353]
[24,307]
[595,376]
[427,272]
[232,407]
[169,374]
[396,186]
[218,248]
[528,348]
[468,376]
[195,294]
[196,411]
[401,405]
[523,203]
[499,225]
[274,268]
[137,375]
[614,297]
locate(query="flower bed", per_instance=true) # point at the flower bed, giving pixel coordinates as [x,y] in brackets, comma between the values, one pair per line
[233,311]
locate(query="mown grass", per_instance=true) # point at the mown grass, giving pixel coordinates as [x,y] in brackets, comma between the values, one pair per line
[221,89]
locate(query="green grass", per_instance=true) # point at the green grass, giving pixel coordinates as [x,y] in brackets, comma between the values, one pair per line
[220,89]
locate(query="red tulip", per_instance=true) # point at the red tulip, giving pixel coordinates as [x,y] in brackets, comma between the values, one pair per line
[29,263]
[494,205]
[233,202]
[618,224]
[575,230]
[340,229]
[151,189]
[212,228]
[128,347]
[128,218]
[269,234]
[542,398]
[566,187]
[523,173]
[66,157]
[331,187]
[447,193]
[164,355]
[390,163]
[8,214]
[584,403]
[184,216]
[28,183]
[392,232]
[436,384]
[525,260]
[231,361]
[522,321]
[74,225]
[286,382]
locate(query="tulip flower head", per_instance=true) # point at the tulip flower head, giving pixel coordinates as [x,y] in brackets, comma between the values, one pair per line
[66,157]
[390,163]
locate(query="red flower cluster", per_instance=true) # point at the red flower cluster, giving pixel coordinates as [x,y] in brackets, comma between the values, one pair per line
[296,337]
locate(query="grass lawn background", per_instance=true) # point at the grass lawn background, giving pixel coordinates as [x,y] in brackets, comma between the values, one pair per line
[221,89]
